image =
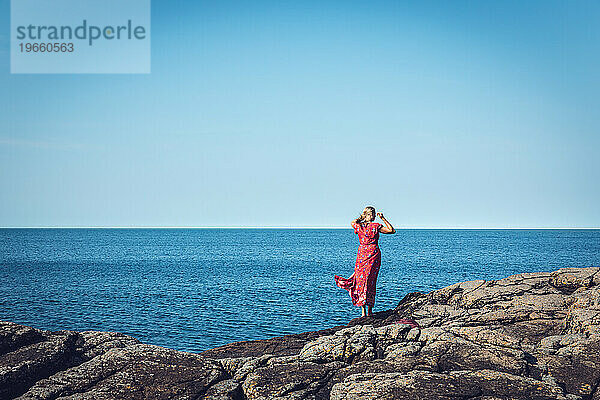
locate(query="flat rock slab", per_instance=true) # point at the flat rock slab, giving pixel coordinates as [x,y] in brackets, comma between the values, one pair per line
[136,372]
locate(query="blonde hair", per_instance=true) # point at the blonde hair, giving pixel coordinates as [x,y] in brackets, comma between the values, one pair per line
[368,210]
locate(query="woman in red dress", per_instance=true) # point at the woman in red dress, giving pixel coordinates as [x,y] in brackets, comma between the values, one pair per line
[362,284]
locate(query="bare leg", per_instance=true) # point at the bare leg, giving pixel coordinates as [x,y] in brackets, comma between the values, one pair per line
[370,313]
[364,312]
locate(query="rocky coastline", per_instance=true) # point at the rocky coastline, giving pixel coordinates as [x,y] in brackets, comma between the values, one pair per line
[529,336]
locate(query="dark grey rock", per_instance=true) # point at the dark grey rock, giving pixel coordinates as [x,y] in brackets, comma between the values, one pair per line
[532,336]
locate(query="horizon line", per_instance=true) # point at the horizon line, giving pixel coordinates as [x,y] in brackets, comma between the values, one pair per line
[295,227]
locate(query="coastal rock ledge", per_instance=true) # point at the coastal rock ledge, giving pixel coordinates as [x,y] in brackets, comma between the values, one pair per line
[529,336]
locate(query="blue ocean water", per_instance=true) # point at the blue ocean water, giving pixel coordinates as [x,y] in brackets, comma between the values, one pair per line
[194,289]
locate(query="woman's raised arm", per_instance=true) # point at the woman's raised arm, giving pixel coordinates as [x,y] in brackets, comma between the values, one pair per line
[388,228]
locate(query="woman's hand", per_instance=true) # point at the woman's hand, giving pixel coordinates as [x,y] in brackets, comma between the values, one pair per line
[388,228]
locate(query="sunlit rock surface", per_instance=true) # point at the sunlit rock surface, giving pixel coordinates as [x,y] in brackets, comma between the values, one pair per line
[528,336]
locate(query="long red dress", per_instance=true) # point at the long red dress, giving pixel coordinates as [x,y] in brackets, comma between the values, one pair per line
[362,284]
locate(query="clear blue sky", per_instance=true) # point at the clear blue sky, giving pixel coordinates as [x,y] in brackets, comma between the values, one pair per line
[441,114]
